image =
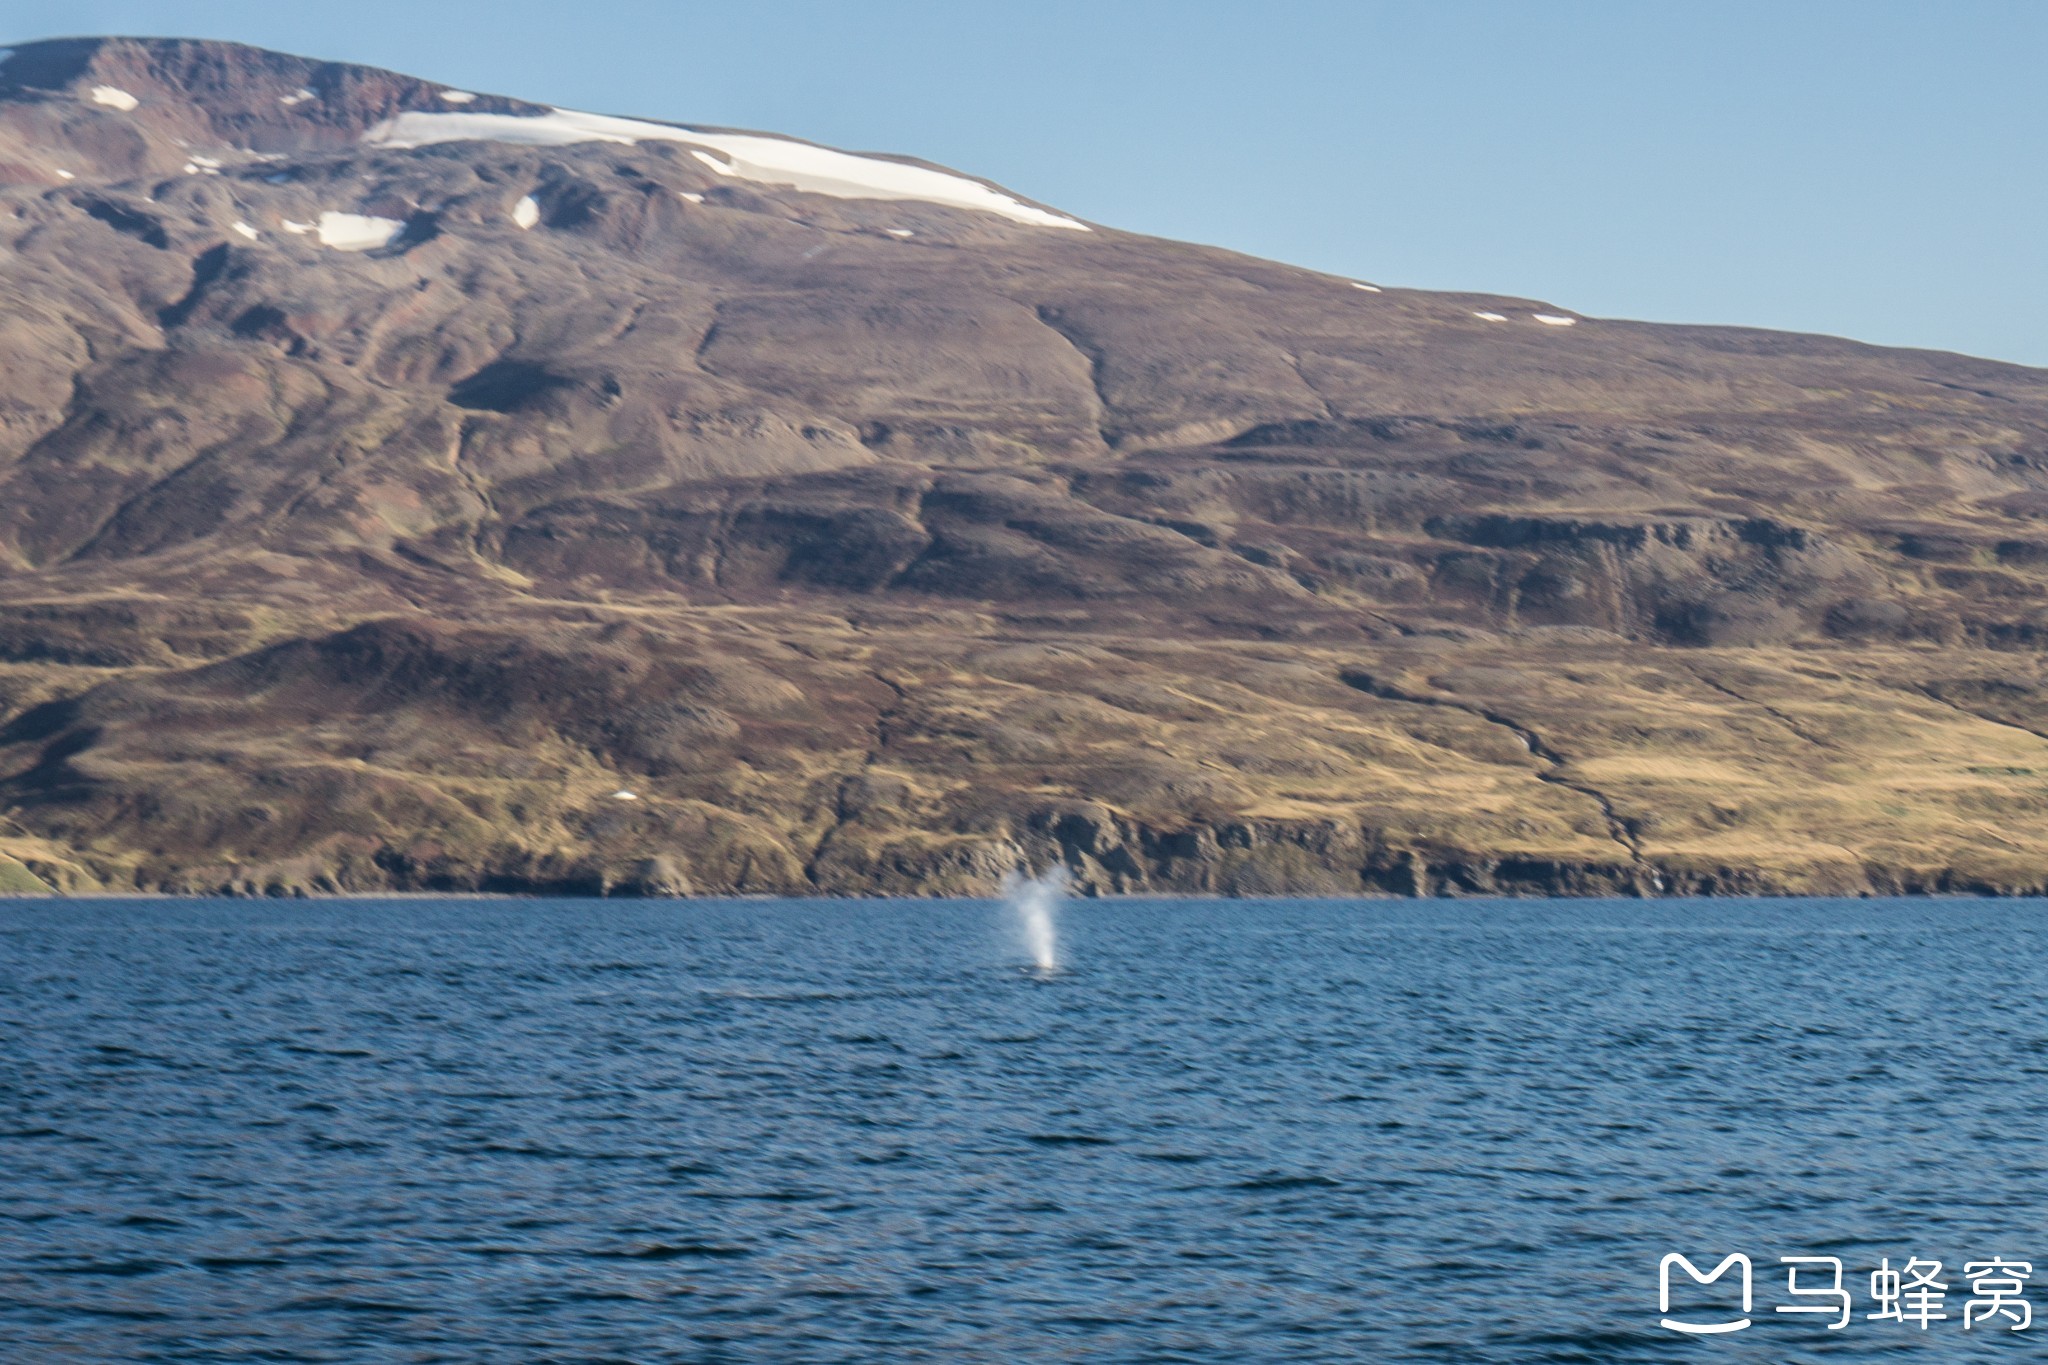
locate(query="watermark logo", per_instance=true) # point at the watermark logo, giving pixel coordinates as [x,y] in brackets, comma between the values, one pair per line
[1913,1295]
[1664,1268]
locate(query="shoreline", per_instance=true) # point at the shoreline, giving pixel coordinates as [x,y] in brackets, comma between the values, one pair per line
[878,898]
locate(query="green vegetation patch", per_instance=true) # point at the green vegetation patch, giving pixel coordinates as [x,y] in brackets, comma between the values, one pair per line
[16,880]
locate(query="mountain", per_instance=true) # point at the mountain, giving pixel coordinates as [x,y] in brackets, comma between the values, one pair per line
[407,487]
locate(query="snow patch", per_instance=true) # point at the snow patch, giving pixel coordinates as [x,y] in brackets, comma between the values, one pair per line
[66,175]
[899,232]
[690,195]
[114,98]
[1555,320]
[296,229]
[357,231]
[1492,317]
[526,213]
[764,160]
[1368,288]
[623,795]
[206,163]
[251,233]
[457,96]
[299,96]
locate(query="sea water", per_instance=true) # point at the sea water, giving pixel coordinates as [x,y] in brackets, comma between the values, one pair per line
[841,1131]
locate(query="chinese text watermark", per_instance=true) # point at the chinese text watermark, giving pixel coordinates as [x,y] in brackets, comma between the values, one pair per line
[1920,1293]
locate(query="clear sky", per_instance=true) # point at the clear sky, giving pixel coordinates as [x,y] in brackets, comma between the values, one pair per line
[1871,168]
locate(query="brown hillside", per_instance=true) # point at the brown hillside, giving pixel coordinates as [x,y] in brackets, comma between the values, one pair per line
[879,544]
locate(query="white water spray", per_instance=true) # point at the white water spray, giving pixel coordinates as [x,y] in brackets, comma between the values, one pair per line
[1034,900]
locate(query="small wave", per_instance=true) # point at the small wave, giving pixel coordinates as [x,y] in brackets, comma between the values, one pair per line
[676,1251]
[865,1040]
[1288,1182]
[114,1269]
[337,1303]
[760,1196]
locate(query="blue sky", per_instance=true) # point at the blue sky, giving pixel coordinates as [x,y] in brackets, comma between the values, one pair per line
[1871,168]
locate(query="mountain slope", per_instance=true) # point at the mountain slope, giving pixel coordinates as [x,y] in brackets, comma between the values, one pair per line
[390,478]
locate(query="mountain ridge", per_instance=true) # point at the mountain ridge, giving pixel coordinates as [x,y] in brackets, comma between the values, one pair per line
[371,516]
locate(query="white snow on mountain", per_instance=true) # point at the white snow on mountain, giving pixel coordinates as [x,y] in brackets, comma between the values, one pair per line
[1492,317]
[1555,320]
[764,160]
[1368,288]
[458,96]
[245,230]
[299,96]
[526,213]
[357,231]
[114,98]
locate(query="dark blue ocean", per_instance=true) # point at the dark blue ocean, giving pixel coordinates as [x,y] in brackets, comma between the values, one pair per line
[1464,1131]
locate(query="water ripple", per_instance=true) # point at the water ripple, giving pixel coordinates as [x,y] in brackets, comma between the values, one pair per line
[806,1131]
